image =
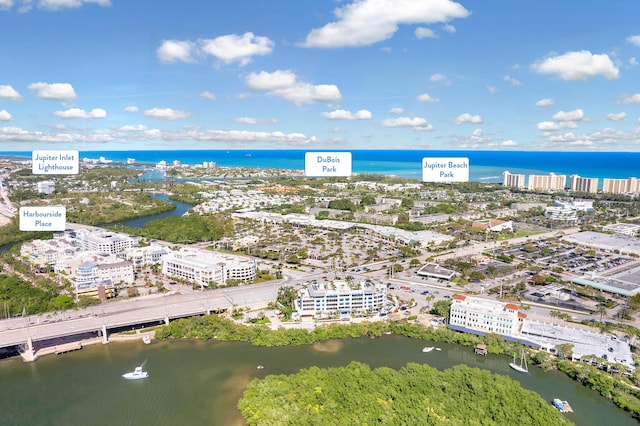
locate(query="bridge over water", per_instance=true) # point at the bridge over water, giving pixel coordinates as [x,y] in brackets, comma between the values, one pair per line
[28,333]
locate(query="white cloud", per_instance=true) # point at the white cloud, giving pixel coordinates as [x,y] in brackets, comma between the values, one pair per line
[425,97]
[634,39]
[341,114]
[57,91]
[617,116]
[605,139]
[512,80]
[509,143]
[422,32]
[415,123]
[6,4]
[439,78]
[477,133]
[166,114]
[633,61]
[270,80]
[131,108]
[208,95]
[396,110]
[545,102]
[553,125]
[69,4]
[8,92]
[246,120]
[468,118]
[237,48]
[171,51]
[80,113]
[631,99]
[492,90]
[578,66]
[575,115]
[101,136]
[366,22]
[285,84]
[449,28]
[5,115]
[134,128]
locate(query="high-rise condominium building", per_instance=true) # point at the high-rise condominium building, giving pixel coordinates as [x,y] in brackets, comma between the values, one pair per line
[512,180]
[621,186]
[583,184]
[550,182]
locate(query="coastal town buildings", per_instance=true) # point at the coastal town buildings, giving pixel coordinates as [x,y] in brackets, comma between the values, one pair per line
[144,256]
[434,270]
[102,241]
[340,298]
[206,268]
[628,229]
[482,316]
[474,314]
[46,187]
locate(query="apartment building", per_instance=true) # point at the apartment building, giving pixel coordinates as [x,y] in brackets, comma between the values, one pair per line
[340,298]
[583,184]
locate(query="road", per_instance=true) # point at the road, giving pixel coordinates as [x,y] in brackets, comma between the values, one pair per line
[141,310]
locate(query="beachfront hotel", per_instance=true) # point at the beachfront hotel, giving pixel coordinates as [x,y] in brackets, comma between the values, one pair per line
[340,298]
[204,268]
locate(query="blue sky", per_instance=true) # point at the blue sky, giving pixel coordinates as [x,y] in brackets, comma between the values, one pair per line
[308,74]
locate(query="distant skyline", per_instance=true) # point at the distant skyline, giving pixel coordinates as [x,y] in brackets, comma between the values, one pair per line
[320,74]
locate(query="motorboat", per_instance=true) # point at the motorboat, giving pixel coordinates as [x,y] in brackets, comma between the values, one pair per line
[562,406]
[260,367]
[428,349]
[138,373]
[146,339]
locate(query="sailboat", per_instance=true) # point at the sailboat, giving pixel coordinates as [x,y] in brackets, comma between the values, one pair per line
[522,366]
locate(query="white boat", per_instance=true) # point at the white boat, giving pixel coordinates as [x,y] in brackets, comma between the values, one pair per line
[428,349]
[438,349]
[146,339]
[138,373]
[260,367]
[522,366]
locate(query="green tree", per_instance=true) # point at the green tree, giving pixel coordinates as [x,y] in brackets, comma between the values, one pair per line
[441,308]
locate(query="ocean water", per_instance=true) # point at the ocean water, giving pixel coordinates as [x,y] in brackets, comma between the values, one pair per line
[485,166]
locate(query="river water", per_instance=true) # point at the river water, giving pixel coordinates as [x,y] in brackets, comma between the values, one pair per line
[199,383]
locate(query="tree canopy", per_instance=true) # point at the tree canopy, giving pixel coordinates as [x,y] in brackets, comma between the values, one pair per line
[415,395]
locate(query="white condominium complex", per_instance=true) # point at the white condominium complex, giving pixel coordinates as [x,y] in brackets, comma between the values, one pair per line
[583,184]
[484,315]
[550,182]
[204,267]
[142,256]
[102,241]
[512,180]
[621,186]
[340,298]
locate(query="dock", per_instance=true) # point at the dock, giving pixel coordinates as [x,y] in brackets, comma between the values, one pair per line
[68,347]
[481,349]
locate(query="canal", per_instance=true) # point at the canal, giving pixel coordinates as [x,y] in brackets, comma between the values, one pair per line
[194,382]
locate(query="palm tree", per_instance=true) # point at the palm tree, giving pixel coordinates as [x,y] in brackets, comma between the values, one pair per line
[601,309]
